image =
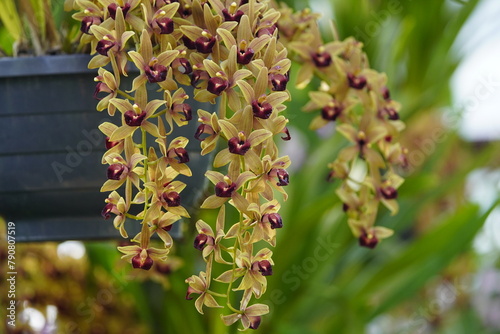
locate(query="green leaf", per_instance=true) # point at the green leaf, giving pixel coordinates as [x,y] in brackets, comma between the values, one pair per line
[10,18]
[403,275]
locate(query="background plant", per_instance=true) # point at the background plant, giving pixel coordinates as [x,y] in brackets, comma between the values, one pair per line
[37,27]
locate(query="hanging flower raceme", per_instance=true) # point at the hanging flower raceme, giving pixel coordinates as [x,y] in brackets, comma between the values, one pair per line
[247,125]
[140,172]
[348,85]
[236,54]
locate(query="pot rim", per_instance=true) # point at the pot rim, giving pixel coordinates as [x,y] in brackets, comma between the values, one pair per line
[45,65]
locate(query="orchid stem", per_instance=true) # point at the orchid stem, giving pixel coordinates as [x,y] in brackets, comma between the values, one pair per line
[217,294]
[128,215]
[122,93]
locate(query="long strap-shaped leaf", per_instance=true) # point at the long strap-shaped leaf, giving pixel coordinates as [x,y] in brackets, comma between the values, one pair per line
[9,16]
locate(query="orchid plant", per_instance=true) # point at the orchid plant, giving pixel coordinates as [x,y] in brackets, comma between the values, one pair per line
[236,54]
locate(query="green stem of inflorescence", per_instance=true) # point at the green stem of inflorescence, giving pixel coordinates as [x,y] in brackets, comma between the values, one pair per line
[125,95]
[216,294]
[145,225]
[128,192]
[241,228]
[228,293]
[128,215]
[159,114]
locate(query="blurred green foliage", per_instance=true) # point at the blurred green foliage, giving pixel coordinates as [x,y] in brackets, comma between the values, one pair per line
[36,27]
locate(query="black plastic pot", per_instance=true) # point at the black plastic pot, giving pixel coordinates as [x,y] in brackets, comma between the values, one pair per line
[51,149]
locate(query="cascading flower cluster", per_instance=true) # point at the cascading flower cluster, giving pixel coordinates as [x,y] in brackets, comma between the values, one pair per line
[226,51]
[235,53]
[357,99]
[250,78]
[141,178]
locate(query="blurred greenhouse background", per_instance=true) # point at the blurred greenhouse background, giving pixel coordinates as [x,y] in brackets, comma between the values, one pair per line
[439,273]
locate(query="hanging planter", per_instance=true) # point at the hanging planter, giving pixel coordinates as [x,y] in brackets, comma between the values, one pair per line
[51,150]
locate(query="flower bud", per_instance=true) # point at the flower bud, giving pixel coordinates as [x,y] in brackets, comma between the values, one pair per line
[274,219]
[199,131]
[267,30]
[172,198]
[89,21]
[217,85]
[262,110]
[331,111]
[265,268]
[156,73]
[345,207]
[389,192]
[368,240]
[238,146]
[186,110]
[282,175]
[163,268]
[330,176]
[244,57]
[190,291]
[109,144]
[101,87]
[222,189]
[191,45]
[254,321]
[232,17]
[185,11]
[322,59]
[361,139]
[196,76]
[182,65]
[132,119]
[165,25]
[117,171]
[139,263]
[201,241]
[356,82]
[278,81]
[180,154]
[392,114]
[107,210]
[403,159]
[204,44]
[287,134]
[386,93]
[103,46]
[113,7]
